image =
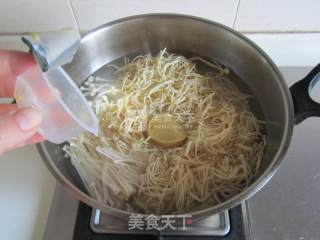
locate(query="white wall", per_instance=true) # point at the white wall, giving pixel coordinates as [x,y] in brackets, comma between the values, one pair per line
[288,30]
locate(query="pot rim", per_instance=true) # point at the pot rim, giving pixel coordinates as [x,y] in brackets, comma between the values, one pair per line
[235,200]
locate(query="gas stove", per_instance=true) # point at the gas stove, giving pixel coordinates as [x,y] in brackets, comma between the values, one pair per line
[70,219]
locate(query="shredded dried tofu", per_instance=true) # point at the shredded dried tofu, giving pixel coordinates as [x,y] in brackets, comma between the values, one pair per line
[124,169]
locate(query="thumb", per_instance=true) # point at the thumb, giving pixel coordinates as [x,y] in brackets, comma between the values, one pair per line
[17,126]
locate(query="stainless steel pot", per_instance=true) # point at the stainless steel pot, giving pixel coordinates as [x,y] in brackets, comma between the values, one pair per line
[185,34]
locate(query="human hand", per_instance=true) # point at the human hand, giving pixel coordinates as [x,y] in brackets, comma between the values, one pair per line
[18,126]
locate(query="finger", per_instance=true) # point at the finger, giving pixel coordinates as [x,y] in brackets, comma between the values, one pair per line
[37,138]
[17,127]
[12,63]
[7,108]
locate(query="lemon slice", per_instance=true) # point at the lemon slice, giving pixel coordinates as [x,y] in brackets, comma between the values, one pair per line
[164,130]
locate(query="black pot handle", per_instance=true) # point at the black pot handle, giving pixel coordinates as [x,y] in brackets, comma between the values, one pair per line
[304,106]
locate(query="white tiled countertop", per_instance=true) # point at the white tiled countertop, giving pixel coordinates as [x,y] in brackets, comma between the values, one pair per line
[26,190]
[289,31]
